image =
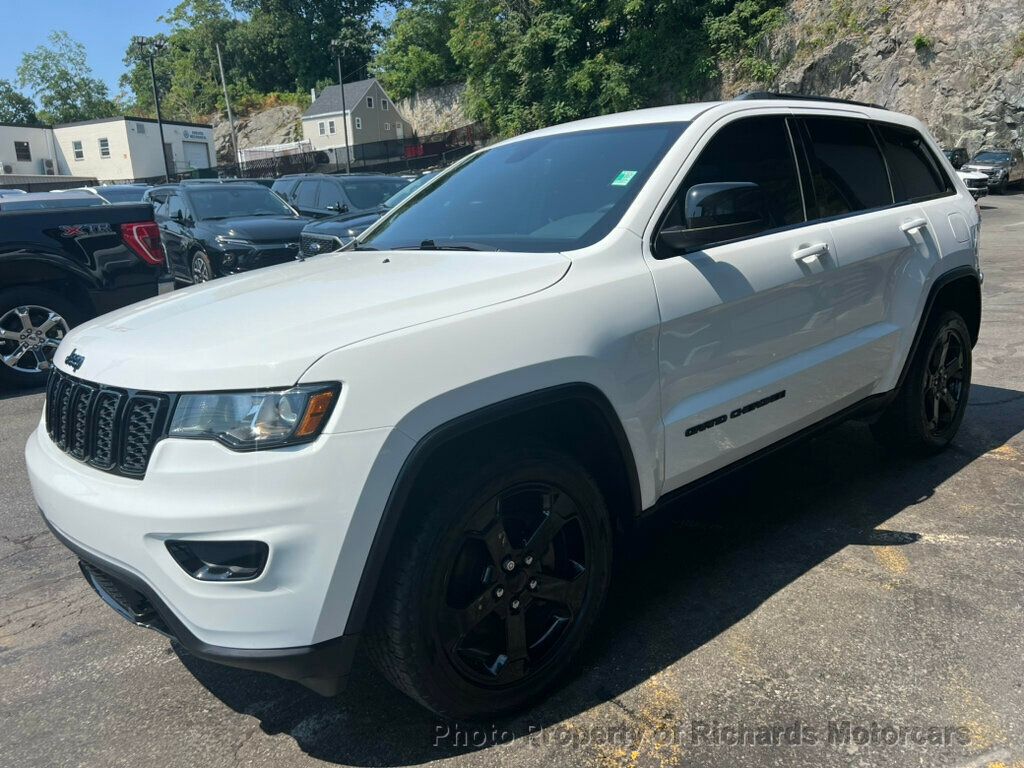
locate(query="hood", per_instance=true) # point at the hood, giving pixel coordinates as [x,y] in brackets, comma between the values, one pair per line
[265,328]
[963,173]
[258,229]
[983,166]
[346,225]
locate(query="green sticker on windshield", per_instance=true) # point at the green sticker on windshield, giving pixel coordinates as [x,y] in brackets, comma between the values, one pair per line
[623,178]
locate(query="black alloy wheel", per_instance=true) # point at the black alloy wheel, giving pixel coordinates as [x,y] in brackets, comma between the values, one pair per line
[944,382]
[497,580]
[516,585]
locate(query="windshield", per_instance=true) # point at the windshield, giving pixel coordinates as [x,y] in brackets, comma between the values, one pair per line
[225,201]
[992,157]
[15,203]
[122,194]
[550,193]
[407,190]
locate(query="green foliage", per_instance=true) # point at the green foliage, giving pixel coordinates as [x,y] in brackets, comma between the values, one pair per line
[1017,50]
[16,107]
[415,53]
[59,77]
[530,63]
[922,42]
[277,50]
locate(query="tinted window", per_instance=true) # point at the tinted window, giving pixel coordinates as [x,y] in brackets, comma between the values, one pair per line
[175,206]
[847,170]
[306,194]
[548,193]
[330,195]
[370,194]
[754,151]
[914,170]
[224,201]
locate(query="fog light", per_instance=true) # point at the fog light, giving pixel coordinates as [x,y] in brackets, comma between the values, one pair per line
[220,560]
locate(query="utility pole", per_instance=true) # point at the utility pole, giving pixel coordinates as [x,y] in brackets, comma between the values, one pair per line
[149,47]
[338,47]
[227,103]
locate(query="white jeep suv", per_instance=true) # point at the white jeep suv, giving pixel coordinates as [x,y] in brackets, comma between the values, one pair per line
[433,441]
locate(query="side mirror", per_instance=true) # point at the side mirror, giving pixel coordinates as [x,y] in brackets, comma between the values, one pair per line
[178,217]
[716,213]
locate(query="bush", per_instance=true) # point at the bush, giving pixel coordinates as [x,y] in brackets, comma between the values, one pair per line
[922,42]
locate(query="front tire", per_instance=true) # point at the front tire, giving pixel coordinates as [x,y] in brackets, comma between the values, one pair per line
[927,412]
[494,589]
[201,268]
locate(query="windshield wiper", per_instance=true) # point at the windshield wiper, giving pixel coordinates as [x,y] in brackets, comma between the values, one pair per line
[430,245]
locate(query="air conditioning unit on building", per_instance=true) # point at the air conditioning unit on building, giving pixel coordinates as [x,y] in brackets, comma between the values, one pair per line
[5,168]
[47,167]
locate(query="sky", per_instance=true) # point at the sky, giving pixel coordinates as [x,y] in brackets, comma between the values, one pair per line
[105,27]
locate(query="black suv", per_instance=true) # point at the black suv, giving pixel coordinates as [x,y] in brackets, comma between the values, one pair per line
[957,156]
[211,229]
[320,194]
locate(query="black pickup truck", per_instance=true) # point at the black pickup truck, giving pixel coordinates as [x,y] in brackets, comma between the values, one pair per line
[62,266]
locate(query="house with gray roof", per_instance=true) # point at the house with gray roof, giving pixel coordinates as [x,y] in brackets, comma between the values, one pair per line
[369,114]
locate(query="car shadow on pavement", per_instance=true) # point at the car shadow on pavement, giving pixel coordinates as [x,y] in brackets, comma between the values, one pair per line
[711,560]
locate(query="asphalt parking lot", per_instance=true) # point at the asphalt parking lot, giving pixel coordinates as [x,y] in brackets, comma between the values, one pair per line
[811,610]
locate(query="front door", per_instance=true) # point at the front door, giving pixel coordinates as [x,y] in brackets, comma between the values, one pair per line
[747,324]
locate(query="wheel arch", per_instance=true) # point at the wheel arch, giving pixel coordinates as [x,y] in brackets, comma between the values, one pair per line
[577,415]
[35,272]
[958,289]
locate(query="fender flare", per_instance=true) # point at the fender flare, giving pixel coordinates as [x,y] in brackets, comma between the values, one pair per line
[946,278]
[436,438]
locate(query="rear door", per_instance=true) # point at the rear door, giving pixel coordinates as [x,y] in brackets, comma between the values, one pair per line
[851,189]
[747,323]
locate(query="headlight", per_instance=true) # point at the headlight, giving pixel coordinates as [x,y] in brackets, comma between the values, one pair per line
[233,242]
[246,421]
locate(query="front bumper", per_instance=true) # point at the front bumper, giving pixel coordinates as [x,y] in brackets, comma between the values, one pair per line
[301,501]
[323,667]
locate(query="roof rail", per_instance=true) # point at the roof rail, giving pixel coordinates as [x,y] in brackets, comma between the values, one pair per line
[757,95]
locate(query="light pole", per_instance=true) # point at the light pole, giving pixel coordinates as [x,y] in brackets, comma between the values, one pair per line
[150,47]
[338,47]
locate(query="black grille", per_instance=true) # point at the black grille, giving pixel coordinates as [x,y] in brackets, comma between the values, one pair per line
[111,429]
[313,245]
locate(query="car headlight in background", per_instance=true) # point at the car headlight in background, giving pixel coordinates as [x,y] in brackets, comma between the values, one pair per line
[235,243]
[246,421]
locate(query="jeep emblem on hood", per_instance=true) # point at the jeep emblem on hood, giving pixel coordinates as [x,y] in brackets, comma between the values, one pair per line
[74,360]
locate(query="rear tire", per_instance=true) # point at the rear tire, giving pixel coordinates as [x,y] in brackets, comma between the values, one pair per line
[488,596]
[32,323]
[926,414]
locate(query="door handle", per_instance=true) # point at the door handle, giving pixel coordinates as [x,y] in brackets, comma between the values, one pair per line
[913,225]
[809,252]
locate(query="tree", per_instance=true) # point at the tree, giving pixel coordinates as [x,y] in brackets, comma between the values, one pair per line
[531,63]
[301,32]
[59,77]
[415,53]
[15,107]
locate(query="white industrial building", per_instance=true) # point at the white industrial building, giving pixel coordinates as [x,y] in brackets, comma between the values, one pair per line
[109,149]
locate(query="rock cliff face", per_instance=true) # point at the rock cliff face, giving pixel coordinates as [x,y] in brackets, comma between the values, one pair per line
[277,125]
[433,110]
[958,65]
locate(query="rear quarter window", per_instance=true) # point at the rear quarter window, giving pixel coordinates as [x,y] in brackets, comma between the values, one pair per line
[916,172]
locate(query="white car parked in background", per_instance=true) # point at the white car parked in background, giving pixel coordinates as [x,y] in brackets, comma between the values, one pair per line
[434,440]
